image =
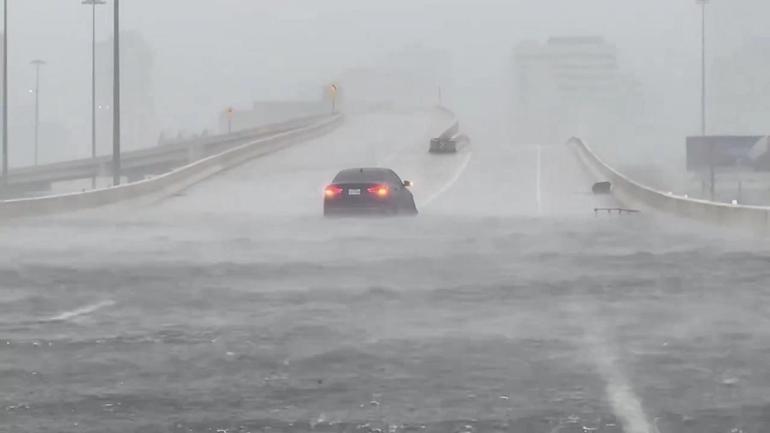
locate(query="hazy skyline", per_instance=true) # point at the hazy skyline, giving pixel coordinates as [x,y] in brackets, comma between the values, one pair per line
[235,51]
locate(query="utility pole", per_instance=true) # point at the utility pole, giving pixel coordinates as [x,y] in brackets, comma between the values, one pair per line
[5,92]
[703,130]
[93,4]
[37,64]
[116,98]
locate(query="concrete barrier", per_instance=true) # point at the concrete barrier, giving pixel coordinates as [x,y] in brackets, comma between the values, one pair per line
[168,183]
[633,194]
[449,139]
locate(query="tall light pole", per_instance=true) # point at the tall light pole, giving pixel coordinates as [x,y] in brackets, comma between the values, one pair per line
[116,98]
[712,174]
[93,4]
[5,92]
[37,63]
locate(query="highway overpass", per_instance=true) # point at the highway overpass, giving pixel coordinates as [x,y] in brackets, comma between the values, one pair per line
[138,164]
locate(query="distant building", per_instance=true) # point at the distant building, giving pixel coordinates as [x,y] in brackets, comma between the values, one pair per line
[408,78]
[139,121]
[739,91]
[569,86]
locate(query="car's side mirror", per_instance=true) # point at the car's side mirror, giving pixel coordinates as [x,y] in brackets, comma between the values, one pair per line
[407,183]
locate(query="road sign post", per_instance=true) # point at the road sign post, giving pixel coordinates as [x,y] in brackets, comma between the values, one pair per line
[230,113]
[333,91]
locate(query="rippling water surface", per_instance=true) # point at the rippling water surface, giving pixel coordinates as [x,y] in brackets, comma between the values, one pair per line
[433,323]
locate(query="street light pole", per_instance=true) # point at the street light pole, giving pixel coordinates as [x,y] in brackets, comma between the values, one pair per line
[93,4]
[116,98]
[5,92]
[703,129]
[37,64]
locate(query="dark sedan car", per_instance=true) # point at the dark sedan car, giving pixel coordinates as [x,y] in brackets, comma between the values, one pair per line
[368,191]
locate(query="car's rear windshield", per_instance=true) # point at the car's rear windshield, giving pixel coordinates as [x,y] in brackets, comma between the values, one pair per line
[364,176]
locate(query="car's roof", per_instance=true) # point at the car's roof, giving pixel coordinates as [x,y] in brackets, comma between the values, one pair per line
[365,170]
[364,173]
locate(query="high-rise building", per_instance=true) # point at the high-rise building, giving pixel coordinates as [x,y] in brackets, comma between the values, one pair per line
[139,121]
[569,86]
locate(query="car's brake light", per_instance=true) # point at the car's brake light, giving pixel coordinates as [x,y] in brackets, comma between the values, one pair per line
[332,191]
[380,191]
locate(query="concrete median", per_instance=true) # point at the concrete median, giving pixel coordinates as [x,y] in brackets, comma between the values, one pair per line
[633,194]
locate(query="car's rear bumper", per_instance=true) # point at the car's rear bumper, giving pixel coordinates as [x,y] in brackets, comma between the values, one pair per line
[342,209]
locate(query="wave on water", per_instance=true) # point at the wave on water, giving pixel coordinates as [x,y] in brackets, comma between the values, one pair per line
[81,311]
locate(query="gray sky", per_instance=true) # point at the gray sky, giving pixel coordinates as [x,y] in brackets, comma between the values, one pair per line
[213,54]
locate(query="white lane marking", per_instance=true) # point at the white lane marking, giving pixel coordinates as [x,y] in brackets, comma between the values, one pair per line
[451,181]
[86,309]
[539,176]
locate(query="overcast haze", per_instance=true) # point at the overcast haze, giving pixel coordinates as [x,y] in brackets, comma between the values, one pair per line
[212,54]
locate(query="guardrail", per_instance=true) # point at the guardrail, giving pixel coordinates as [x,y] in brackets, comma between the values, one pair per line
[168,183]
[632,193]
[138,163]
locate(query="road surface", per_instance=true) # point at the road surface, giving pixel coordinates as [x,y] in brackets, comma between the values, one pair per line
[505,306]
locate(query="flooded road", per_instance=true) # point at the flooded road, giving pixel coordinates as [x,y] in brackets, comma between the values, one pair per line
[505,306]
